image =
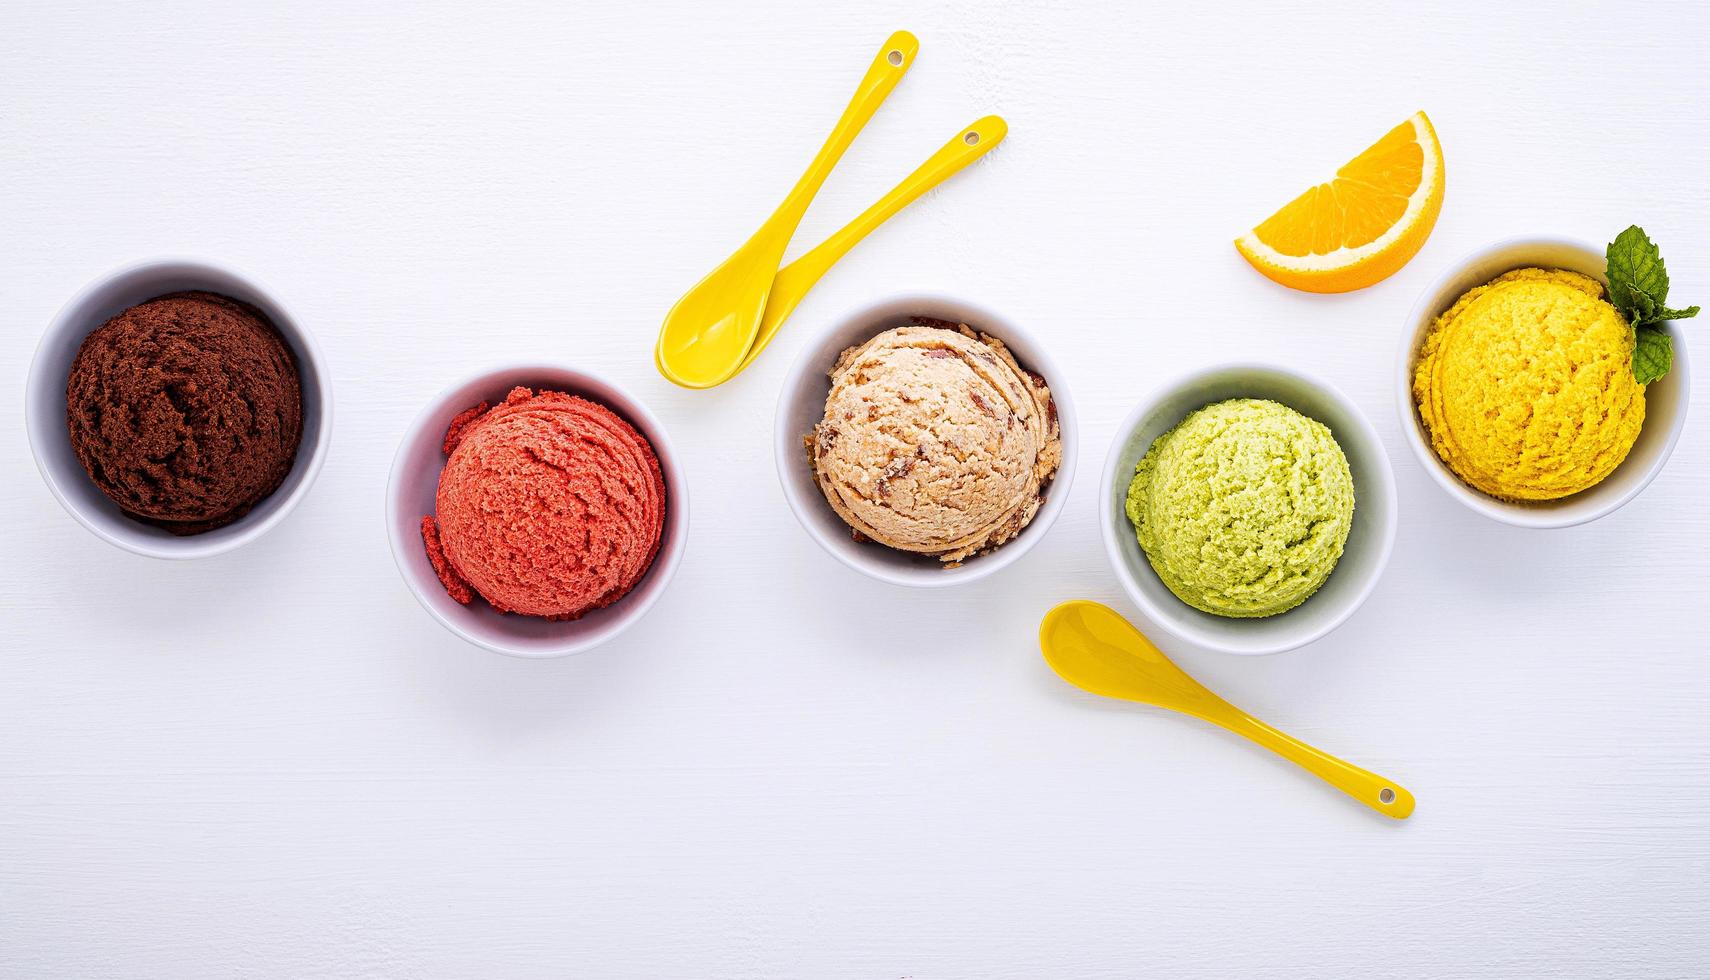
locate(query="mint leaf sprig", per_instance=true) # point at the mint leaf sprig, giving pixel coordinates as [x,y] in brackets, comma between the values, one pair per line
[1638,287]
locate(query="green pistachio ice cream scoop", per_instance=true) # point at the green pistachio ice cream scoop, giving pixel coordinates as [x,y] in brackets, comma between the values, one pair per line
[1243,508]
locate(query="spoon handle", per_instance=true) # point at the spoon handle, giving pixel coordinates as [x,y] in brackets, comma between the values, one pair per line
[894,60]
[794,281]
[1382,795]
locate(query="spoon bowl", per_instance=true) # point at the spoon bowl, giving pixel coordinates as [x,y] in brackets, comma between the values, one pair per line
[709,330]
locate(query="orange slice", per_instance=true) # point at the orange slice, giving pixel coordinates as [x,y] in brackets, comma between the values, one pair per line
[1362,225]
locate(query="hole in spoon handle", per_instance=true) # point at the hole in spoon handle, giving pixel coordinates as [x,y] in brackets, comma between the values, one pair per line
[897,55]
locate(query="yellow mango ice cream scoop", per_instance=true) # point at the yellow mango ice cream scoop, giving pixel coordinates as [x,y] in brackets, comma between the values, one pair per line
[1092,647]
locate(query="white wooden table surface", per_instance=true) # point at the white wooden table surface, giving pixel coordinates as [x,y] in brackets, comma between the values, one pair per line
[275,764]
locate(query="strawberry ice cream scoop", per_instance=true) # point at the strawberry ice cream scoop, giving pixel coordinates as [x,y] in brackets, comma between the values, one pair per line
[549,505]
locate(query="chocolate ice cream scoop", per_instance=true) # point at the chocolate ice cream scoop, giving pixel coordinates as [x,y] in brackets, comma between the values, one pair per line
[185,410]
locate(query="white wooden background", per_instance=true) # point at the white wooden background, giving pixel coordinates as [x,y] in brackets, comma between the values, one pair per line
[275,764]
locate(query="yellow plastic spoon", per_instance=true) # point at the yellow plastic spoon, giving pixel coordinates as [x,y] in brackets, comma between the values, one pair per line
[707,334]
[793,283]
[1093,648]
[798,277]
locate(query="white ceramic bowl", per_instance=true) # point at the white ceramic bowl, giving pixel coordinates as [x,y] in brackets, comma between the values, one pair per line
[802,405]
[415,478]
[1665,400]
[1369,540]
[44,407]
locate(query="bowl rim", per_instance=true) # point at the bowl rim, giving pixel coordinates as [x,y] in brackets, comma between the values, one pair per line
[629,609]
[39,429]
[787,443]
[1173,619]
[1419,319]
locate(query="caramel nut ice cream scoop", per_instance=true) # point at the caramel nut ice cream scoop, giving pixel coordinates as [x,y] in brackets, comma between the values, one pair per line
[935,441]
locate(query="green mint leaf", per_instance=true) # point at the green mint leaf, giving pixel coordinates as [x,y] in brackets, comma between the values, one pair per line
[1638,288]
[1653,354]
[1638,280]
